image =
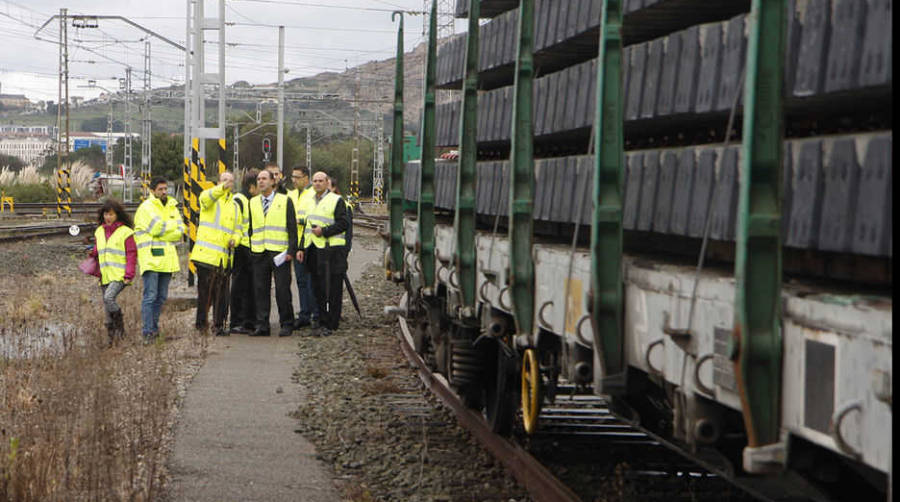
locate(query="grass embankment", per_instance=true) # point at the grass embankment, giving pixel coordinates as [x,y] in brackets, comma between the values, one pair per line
[78,420]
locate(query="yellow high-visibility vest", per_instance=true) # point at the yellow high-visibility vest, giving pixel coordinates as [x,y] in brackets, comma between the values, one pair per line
[220,222]
[111,253]
[322,215]
[156,230]
[245,218]
[269,229]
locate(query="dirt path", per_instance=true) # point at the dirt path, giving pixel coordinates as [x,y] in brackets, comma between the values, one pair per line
[235,439]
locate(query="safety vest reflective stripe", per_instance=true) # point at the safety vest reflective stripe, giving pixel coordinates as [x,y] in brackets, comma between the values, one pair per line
[269,229]
[111,255]
[214,247]
[321,219]
[323,215]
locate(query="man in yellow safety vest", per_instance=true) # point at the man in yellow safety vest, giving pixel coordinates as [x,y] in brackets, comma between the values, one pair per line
[219,231]
[243,307]
[323,252]
[157,227]
[303,197]
[273,241]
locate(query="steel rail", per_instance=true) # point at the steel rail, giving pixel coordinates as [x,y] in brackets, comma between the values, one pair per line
[55,231]
[541,484]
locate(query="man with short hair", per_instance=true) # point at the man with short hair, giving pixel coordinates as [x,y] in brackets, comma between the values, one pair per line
[157,227]
[323,241]
[302,196]
[278,176]
[273,235]
[243,307]
[219,230]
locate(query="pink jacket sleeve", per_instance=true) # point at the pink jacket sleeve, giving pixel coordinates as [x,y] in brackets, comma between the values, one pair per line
[130,258]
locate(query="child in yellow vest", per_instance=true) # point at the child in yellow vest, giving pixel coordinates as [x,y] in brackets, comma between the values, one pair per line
[116,253]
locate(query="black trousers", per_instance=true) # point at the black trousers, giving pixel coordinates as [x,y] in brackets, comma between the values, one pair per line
[243,306]
[212,291]
[263,270]
[329,291]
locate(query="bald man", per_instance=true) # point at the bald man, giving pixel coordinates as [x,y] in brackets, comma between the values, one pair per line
[324,241]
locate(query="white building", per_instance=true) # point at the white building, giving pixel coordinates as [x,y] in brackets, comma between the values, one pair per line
[29,148]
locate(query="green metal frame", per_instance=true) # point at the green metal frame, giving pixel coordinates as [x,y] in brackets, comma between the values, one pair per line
[606,296]
[464,223]
[521,194]
[397,164]
[757,268]
[426,187]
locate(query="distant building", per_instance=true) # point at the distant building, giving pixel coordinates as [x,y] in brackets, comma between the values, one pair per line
[14,101]
[31,129]
[31,149]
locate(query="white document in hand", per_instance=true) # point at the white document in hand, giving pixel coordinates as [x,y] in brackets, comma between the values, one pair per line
[280,258]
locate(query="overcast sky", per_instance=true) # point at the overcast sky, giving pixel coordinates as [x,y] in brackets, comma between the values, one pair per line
[319,36]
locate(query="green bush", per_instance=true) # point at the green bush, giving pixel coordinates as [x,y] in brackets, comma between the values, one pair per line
[33,192]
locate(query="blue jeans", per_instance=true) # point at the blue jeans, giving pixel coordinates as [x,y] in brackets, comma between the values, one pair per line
[309,309]
[156,290]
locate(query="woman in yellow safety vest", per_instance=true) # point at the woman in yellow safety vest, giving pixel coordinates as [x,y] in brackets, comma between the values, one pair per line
[116,254]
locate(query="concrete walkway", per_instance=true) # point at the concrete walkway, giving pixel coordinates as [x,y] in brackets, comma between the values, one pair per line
[234,439]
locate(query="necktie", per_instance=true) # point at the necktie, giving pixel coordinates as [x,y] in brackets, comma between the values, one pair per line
[265,202]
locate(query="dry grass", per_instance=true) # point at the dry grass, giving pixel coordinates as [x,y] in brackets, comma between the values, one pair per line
[78,420]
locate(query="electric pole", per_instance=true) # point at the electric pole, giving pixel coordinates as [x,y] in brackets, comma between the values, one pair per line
[354,161]
[378,163]
[280,141]
[63,179]
[128,172]
[145,127]
[309,150]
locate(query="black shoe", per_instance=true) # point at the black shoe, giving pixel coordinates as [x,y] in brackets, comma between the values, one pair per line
[301,323]
[260,332]
[285,331]
[220,331]
[240,330]
[325,332]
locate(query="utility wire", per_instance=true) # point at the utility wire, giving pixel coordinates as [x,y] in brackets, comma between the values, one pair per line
[328,6]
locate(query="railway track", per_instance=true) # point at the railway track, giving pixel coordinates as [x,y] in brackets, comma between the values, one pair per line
[367,221]
[579,433]
[15,233]
[49,208]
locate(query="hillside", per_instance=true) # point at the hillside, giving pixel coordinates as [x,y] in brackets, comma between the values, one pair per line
[376,84]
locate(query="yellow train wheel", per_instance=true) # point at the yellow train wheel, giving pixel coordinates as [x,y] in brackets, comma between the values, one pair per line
[531,386]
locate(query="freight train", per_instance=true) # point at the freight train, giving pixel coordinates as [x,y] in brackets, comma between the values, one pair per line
[682,205]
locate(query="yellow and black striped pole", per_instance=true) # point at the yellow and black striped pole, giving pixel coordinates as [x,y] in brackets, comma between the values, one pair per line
[186,208]
[193,198]
[222,154]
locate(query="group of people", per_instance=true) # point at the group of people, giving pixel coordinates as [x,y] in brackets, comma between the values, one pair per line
[243,239]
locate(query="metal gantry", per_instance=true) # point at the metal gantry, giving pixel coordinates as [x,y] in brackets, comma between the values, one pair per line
[196,182]
[395,186]
[757,342]
[464,219]
[606,296]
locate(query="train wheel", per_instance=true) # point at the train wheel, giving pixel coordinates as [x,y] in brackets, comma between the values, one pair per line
[531,390]
[466,367]
[500,389]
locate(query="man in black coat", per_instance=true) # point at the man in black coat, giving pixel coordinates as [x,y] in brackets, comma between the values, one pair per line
[325,260]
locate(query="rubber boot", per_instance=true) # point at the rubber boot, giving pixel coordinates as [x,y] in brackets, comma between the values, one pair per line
[118,326]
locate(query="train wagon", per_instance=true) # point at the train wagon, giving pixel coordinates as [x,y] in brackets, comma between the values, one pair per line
[682,205]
